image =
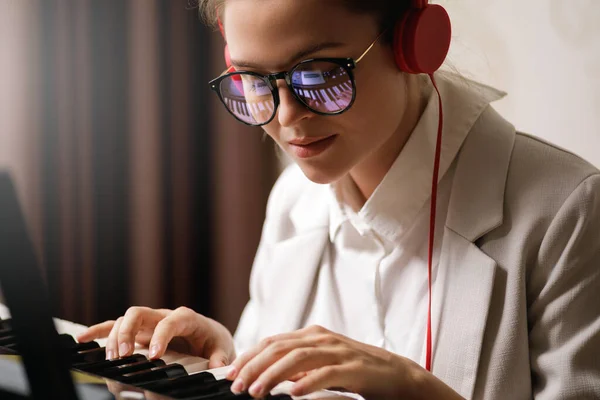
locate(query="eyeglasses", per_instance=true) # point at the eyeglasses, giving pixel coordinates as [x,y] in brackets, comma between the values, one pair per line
[325,86]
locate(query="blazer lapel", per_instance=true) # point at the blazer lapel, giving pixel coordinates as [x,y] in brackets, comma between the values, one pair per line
[465,281]
[462,295]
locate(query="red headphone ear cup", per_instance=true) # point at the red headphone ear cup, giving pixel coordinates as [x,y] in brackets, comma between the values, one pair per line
[422,40]
[399,44]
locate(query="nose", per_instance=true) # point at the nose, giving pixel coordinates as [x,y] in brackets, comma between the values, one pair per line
[290,110]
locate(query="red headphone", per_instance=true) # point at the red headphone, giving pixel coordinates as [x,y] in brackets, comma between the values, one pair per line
[420,44]
[421,38]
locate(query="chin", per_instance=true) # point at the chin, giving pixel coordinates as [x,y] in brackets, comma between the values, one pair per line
[321,174]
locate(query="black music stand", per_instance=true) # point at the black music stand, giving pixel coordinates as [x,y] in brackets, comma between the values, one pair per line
[25,294]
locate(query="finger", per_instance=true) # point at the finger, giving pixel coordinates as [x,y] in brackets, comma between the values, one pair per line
[111,343]
[313,331]
[97,331]
[245,357]
[133,320]
[218,359]
[298,360]
[342,377]
[298,376]
[264,359]
[181,322]
[143,337]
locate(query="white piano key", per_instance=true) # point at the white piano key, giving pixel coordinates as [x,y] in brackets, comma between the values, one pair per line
[254,108]
[331,106]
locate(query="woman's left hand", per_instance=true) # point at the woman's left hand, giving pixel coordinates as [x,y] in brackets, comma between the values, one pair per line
[316,359]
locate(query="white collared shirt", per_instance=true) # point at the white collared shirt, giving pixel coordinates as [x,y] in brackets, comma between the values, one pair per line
[372,282]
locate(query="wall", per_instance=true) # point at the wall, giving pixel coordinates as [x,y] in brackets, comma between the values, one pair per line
[545,54]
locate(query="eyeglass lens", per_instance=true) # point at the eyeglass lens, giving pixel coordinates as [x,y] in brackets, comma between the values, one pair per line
[324,87]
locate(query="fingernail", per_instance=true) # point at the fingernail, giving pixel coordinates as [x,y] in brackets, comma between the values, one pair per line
[123,349]
[231,374]
[109,355]
[256,389]
[153,350]
[238,386]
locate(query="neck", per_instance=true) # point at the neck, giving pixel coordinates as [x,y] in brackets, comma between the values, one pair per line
[369,173]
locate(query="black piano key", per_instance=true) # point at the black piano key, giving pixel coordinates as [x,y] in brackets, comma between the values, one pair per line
[228,395]
[155,374]
[5,331]
[6,340]
[67,342]
[89,356]
[104,364]
[200,389]
[5,323]
[13,346]
[201,378]
[280,396]
[122,370]
[222,396]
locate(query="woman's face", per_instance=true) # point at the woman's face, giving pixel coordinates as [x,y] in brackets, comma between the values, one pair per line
[273,35]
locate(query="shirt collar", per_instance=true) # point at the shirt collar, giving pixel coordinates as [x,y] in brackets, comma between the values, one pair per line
[395,203]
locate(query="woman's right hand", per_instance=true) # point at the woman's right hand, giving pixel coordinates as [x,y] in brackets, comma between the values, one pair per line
[182,330]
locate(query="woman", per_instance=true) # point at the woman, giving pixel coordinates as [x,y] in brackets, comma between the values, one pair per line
[339,288]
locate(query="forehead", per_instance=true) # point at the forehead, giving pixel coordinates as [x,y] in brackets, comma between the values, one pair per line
[266,32]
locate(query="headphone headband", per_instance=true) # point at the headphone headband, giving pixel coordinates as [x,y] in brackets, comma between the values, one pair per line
[419,4]
[421,38]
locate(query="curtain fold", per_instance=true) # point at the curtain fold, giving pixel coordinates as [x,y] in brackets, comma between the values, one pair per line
[139,189]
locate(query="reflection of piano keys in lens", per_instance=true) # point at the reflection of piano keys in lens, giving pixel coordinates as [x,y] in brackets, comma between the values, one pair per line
[330,105]
[333,95]
[251,112]
[240,109]
[260,111]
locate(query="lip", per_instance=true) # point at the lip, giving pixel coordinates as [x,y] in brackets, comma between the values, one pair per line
[307,140]
[311,147]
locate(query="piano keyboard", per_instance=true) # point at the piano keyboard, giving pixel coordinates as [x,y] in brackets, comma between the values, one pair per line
[174,376]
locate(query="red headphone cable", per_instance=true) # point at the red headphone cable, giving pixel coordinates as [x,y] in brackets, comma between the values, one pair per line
[434,188]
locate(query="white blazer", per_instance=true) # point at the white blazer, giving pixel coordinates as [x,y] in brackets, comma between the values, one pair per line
[517,312]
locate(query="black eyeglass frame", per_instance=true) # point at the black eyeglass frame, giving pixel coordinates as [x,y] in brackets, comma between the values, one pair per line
[348,64]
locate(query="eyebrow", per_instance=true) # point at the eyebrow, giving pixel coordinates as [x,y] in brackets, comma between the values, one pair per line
[296,57]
